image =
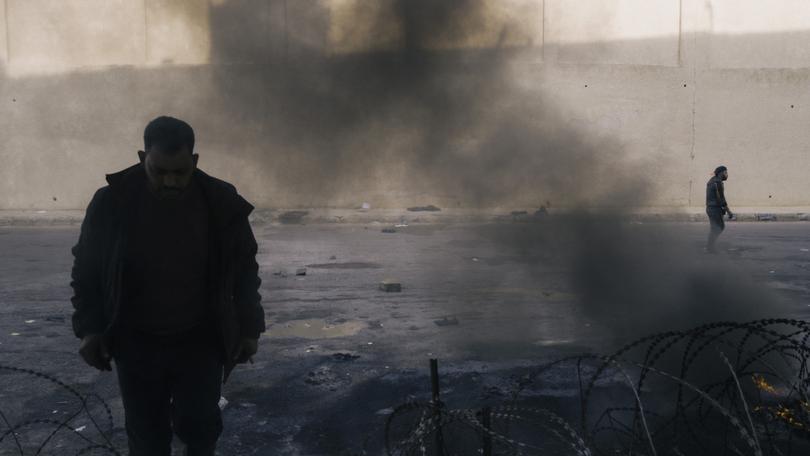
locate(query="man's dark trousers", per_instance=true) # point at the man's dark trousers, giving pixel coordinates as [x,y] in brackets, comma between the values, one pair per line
[717,225]
[170,382]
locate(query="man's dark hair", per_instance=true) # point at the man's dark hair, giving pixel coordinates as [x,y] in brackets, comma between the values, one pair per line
[168,134]
[719,170]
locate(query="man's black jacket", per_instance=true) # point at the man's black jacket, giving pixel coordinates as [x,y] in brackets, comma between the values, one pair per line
[234,301]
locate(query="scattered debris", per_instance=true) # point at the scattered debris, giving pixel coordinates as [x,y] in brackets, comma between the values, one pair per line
[292,217]
[301,271]
[805,250]
[542,212]
[29,321]
[428,208]
[344,356]
[804,217]
[413,328]
[347,265]
[519,216]
[281,274]
[365,206]
[333,258]
[389,230]
[324,377]
[446,322]
[15,334]
[80,428]
[222,402]
[385,411]
[766,217]
[475,259]
[375,324]
[390,286]
[247,404]
[56,318]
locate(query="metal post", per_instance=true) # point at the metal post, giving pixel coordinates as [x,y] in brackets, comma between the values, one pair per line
[434,384]
[434,380]
[486,415]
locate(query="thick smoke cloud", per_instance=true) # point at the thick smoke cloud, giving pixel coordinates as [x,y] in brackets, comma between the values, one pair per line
[463,125]
[466,127]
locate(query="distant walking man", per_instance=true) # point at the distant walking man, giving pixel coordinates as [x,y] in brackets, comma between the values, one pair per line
[716,206]
[165,283]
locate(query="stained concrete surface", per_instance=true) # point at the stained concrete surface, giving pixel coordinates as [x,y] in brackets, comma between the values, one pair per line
[680,86]
[340,353]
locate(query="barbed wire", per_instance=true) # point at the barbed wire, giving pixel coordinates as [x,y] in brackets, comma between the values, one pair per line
[719,388]
[14,431]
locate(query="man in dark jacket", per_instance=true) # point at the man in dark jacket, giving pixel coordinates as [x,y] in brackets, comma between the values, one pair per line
[165,283]
[716,206]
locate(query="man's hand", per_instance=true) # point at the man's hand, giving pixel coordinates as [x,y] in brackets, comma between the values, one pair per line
[95,353]
[730,214]
[247,348]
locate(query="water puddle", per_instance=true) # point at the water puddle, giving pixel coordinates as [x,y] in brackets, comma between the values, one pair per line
[314,328]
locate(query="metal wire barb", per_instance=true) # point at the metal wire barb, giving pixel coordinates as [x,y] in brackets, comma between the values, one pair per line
[723,388]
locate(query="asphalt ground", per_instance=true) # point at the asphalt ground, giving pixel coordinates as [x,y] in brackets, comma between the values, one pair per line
[340,353]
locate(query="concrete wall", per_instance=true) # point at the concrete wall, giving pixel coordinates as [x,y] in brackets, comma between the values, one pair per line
[402,102]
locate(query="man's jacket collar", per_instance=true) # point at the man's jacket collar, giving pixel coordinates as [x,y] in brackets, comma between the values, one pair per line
[224,202]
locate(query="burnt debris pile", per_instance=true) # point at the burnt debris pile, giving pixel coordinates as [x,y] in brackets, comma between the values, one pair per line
[721,388]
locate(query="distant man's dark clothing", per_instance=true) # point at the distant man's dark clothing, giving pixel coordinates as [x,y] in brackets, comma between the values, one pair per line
[715,193]
[173,291]
[716,207]
[165,264]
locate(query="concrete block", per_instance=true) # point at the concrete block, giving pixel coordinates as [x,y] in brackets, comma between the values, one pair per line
[357,26]
[3,35]
[47,36]
[428,208]
[246,31]
[362,26]
[292,217]
[637,32]
[177,32]
[446,322]
[390,286]
[747,34]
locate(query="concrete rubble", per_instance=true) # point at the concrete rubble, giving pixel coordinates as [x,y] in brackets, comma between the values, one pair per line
[390,286]
[428,208]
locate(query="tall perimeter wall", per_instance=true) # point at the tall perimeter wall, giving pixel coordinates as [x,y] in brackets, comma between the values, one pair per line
[331,103]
